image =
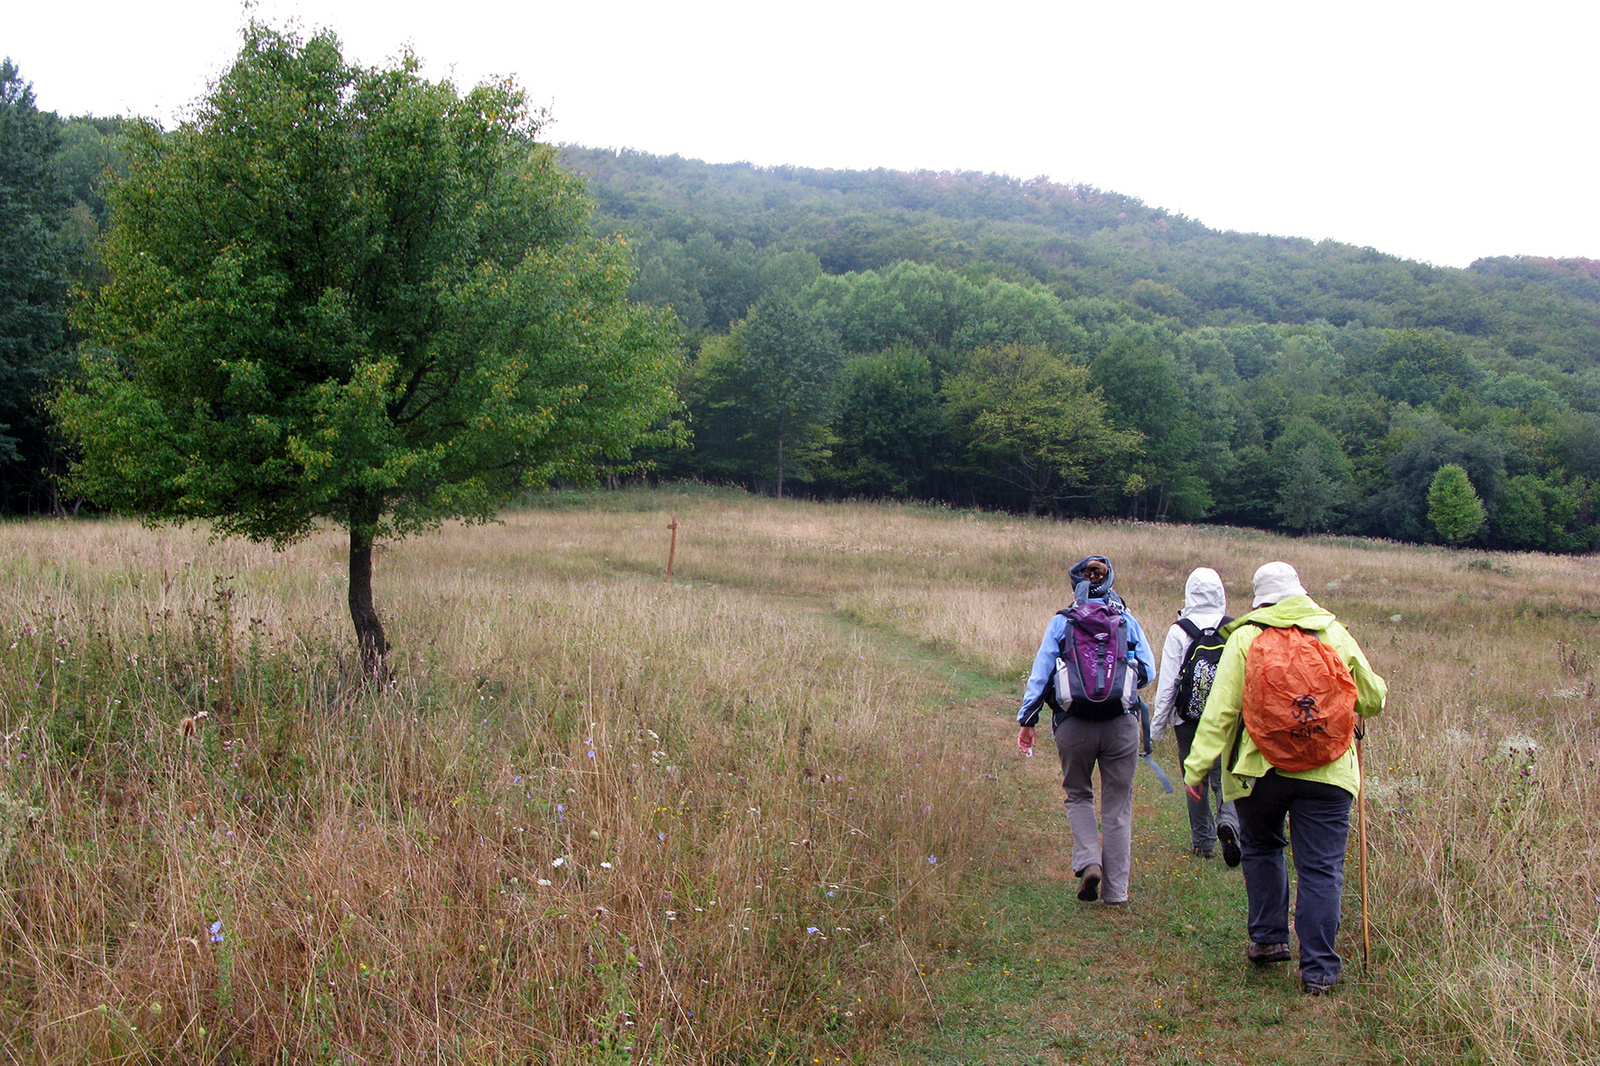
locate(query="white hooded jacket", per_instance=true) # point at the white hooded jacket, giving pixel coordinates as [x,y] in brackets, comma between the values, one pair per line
[1205,602]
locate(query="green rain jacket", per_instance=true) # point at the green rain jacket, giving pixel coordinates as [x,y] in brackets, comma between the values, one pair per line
[1222,720]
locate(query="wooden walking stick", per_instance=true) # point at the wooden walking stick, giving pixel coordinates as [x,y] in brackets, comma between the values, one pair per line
[1361,835]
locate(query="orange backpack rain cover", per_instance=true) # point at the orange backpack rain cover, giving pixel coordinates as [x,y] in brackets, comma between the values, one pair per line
[1299,699]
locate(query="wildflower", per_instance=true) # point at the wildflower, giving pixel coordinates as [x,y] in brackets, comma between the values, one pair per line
[812,930]
[560,860]
[933,860]
[216,931]
[605,866]
[544,882]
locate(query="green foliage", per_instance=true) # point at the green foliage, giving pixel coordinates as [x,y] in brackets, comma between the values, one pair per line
[790,363]
[1036,423]
[1313,478]
[32,285]
[761,397]
[892,433]
[1145,391]
[934,307]
[1400,509]
[1235,336]
[1238,335]
[1417,367]
[1454,508]
[353,294]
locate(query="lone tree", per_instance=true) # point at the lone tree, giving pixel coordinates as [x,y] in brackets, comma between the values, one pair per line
[1453,505]
[353,295]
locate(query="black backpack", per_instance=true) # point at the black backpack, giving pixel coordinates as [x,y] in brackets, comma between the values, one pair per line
[1199,668]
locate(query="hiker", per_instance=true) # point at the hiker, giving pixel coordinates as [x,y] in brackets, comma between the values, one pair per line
[1309,772]
[1093,727]
[1188,663]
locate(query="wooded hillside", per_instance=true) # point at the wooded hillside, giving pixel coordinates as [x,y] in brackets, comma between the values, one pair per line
[982,340]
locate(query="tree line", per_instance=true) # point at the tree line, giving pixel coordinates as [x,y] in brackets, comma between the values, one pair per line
[981,341]
[976,340]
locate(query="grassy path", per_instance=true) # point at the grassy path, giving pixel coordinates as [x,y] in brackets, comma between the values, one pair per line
[1041,978]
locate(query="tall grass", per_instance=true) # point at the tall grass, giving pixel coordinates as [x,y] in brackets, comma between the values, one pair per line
[599,816]
[594,818]
[1484,801]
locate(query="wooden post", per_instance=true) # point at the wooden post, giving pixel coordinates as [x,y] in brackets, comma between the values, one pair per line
[672,547]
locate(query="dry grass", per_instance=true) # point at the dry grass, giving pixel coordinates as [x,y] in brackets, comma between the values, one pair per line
[603,817]
[594,816]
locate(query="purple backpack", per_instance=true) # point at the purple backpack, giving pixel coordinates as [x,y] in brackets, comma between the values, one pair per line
[1093,678]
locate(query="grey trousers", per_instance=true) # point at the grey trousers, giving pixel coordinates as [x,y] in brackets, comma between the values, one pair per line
[1108,840]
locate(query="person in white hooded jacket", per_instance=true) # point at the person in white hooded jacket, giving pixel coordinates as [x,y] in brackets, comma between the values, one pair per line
[1205,605]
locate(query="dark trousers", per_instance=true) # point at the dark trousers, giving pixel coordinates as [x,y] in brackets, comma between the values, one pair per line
[1318,816]
[1211,810]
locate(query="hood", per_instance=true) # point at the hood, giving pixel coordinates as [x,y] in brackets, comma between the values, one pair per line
[1299,610]
[1203,593]
[1082,590]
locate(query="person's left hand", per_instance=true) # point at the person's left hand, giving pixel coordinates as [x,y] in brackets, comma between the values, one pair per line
[1193,792]
[1025,738]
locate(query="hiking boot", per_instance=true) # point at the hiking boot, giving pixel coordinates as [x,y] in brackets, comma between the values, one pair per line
[1230,845]
[1089,887]
[1203,853]
[1316,988]
[1266,954]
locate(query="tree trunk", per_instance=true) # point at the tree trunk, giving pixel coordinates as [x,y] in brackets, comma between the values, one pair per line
[369,627]
[780,460]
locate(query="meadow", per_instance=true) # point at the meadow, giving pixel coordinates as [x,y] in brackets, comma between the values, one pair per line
[767,810]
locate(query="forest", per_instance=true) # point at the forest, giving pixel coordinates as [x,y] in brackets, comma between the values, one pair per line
[982,341]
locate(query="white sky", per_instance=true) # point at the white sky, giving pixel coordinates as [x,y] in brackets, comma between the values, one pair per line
[1440,130]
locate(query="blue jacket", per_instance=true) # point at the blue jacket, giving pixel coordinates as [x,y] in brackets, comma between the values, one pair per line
[1044,663]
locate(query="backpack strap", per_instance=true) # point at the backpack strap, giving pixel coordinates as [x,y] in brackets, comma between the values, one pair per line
[1190,628]
[1238,733]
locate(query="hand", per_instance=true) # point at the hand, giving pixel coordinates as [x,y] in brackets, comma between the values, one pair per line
[1193,792]
[1025,738]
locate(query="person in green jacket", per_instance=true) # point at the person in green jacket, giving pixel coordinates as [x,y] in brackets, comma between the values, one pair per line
[1316,802]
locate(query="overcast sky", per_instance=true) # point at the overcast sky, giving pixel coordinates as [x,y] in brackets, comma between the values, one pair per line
[1441,131]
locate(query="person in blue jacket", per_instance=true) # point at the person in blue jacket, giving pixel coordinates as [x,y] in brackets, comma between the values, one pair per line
[1102,850]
